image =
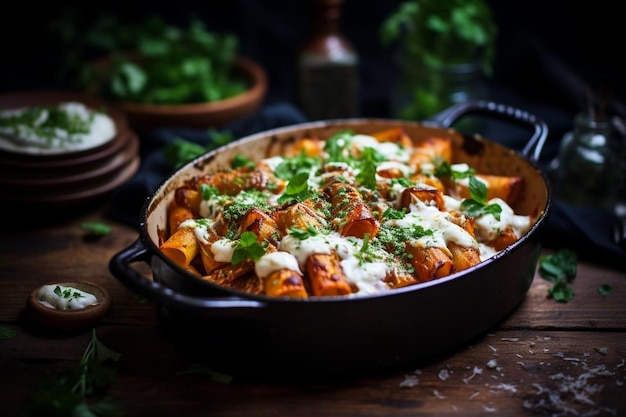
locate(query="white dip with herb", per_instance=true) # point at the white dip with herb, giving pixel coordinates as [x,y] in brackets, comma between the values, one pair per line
[55,129]
[65,298]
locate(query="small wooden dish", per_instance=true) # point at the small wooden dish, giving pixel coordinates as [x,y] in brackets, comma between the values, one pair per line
[69,320]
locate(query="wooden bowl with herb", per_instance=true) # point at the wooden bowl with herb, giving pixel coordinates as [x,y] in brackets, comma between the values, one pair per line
[192,78]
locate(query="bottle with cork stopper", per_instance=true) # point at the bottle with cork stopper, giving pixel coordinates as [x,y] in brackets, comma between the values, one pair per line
[327,67]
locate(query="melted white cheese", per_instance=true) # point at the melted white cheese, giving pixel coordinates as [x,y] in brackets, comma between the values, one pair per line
[488,228]
[275,261]
[70,298]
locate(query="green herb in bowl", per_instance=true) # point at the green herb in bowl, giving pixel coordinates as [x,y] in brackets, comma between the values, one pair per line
[157,63]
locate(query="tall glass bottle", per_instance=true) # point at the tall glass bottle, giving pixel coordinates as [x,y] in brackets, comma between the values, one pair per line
[327,67]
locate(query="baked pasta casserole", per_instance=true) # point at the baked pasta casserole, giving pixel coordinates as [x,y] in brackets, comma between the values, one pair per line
[349,215]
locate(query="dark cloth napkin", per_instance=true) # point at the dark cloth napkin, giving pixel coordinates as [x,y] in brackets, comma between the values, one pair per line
[588,231]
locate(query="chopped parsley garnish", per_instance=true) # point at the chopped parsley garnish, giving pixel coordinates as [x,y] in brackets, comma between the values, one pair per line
[392,213]
[605,289]
[240,161]
[180,151]
[369,160]
[559,268]
[235,207]
[477,205]
[444,169]
[67,293]
[298,189]
[303,234]
[289,167]
[398,236]
[247,248]
[46,122]
[208,191]
[336,145]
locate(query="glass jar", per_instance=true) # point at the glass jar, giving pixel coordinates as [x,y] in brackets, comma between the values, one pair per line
[588,172]
[421,90]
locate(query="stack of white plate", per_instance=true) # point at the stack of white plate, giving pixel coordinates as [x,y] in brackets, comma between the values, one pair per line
[66,178]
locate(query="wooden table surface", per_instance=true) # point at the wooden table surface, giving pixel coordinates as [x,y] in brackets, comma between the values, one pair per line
[547,358]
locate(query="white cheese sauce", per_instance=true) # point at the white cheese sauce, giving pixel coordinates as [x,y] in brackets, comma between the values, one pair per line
[488,228]
[28,139]
[65,298]
[275,261]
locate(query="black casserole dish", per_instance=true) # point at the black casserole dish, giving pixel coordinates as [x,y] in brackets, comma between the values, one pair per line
[239,333]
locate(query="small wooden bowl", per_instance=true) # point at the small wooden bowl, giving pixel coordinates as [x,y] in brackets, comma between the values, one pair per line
[69,320]
[146,117]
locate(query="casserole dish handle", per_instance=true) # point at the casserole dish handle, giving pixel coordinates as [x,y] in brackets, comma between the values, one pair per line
[120,266]
[532,149]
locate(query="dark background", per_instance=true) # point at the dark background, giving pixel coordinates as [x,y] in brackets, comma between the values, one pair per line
[549,53]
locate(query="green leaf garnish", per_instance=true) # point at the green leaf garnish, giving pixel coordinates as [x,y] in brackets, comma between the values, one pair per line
[240,161]
[67,293]
[6,333]
[476,205]
[368,163]
[297,189]
[605,289]
[336,144]
[289,167]
[560,268]
[247,248]
[81,392]
[96,228]
[303,234]
[561,292]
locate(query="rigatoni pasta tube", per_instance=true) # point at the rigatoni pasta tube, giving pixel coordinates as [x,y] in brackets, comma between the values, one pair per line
[351,215]
[326,275]
[181,247]
[429,262]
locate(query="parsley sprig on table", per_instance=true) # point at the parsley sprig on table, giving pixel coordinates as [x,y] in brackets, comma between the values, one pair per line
[560,268]
[79,393]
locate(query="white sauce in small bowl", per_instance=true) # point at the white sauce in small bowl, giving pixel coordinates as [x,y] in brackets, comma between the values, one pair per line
[28,139]
[65,298]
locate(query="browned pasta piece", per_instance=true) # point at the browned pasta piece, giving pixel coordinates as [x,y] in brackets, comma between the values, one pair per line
[240,276]
[430,196]
[261,224]
[505,238]
[181,247]
[310,146]
[395,135]
[285,283]
[429,180]
[209,262]
[463,257]
[397,279]
[507,188]
[234,181]
[429,262]
[176,215]
[189,198]
[326,277]
[433,149]
[351,215]
[300,216]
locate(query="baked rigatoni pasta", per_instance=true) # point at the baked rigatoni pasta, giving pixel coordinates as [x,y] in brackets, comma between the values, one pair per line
[347,215]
